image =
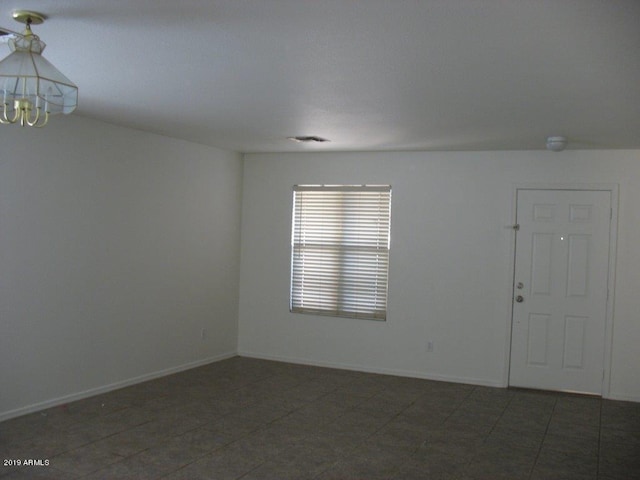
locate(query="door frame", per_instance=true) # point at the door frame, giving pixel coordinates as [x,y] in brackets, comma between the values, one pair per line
[613,189]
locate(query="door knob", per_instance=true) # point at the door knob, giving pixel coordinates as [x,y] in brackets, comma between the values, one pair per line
[519,299]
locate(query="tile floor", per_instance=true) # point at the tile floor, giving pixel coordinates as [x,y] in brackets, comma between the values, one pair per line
[254,419]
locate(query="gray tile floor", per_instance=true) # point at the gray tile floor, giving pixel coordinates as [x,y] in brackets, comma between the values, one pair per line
[255,419]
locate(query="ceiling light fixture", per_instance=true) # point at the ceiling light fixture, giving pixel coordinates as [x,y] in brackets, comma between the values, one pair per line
[308,139]
[31,87]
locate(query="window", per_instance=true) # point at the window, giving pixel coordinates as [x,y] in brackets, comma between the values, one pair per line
[340,250]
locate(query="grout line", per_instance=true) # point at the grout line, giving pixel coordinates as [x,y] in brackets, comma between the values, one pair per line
[599,439]
[546,430]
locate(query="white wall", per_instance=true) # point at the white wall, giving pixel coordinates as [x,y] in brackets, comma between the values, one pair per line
[450,274]
[117,248]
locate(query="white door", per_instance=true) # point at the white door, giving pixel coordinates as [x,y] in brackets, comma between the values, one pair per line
[560,290]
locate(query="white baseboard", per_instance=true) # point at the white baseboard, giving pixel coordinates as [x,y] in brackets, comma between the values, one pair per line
[384,371]
[301,361]
[623,397]
[113,386]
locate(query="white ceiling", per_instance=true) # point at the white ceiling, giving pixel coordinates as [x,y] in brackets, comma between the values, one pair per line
[366,74]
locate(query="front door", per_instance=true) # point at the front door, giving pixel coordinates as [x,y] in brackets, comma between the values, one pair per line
[560,290]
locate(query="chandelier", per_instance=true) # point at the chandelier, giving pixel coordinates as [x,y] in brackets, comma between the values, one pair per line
[32,89]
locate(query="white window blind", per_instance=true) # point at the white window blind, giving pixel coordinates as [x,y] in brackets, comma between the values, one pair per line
[340,250]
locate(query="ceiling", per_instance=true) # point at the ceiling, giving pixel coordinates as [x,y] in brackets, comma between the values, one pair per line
[244,75]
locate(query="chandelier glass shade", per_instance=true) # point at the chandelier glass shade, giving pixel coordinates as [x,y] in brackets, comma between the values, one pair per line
[31,88]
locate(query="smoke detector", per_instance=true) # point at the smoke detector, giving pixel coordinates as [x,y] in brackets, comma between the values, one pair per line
[556,144]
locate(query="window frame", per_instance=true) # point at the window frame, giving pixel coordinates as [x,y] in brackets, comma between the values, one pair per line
[358,282]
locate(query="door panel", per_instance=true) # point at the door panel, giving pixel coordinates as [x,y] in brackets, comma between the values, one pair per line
[541,264]
[538,340]
[561,274]
[578,266]
[575,329]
